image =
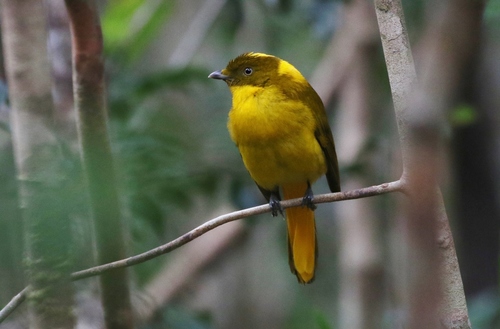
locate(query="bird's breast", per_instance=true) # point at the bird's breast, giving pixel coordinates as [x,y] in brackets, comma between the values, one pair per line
[275,136]
[262,115]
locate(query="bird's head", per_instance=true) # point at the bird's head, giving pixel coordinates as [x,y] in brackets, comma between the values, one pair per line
[257,69]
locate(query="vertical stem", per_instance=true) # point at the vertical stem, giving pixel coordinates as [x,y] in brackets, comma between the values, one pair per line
[41,174]
[89,95]
[400,66]
[423,292]
[436,293]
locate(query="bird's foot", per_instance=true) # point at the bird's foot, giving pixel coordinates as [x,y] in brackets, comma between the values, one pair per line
[309,198]
[275,204]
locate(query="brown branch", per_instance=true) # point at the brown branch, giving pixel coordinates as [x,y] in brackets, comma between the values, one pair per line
[395,186]
[90,106]
[447,49]
[422,292]
[437,296]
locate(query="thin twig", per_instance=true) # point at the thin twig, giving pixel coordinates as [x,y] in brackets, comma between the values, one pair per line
[13,304]
[213,223]
[395,186]
[177,273]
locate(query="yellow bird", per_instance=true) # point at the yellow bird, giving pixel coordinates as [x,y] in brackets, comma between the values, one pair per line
[280,127]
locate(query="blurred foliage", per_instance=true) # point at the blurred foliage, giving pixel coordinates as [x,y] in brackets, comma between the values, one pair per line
[414,17]
[11,235]
[484,310]
[156,150]
[168,127]
[492,15]
[178,318]
[322,321]
[130,25]
[309,316]
[463,115]
[159,116]
[230,19]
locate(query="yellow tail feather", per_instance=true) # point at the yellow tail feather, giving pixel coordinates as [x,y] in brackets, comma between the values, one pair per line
[302,248]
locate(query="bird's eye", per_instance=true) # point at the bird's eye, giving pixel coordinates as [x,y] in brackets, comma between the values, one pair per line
[248,71]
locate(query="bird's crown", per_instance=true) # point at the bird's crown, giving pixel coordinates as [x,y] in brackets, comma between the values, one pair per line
[260,69]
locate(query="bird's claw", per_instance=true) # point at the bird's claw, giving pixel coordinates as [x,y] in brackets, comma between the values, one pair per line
[275,205]
[308,199]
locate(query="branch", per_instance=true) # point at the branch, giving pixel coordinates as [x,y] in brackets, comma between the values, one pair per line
[395,186]
[422,294]
[436,298]
[213,223]
[13,304]
[90,106]
[177,273]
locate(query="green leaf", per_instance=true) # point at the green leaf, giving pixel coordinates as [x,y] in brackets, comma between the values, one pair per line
[322,320]
[463,115]
[116,21]
[492,10]
[132,24]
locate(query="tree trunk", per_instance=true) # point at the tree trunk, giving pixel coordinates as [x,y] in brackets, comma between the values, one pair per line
[39,165]
[89,95]
[436,294]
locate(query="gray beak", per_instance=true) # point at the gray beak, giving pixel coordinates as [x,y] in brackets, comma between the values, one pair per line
[218,75]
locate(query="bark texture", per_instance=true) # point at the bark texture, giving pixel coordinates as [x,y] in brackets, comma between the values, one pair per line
[40,171]
[90,105]
[436,295]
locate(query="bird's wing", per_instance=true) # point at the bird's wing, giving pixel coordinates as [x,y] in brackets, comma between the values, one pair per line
[325,140]
[266,193]
[308,96]
[324,137]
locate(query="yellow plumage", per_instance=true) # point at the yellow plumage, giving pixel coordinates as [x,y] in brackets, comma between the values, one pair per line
[280,127]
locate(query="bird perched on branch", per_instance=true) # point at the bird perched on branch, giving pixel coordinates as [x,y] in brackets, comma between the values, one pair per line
[280,127]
